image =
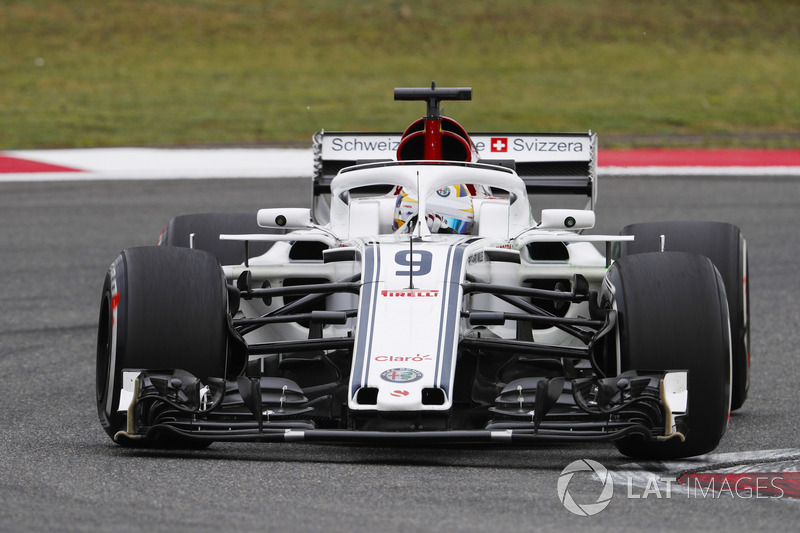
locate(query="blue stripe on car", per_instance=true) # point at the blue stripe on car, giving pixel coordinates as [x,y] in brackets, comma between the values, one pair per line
[454,318]
[365,318]
[442,316]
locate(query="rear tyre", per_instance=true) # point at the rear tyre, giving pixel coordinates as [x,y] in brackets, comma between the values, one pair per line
[726,247]
[201,231]
[673,315]
[161,308]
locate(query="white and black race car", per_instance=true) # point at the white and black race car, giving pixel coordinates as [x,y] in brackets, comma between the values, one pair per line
[418,300]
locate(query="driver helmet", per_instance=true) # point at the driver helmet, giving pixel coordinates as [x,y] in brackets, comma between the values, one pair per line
[450,210]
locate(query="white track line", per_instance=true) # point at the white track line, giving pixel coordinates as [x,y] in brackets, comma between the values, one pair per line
[699,171]
[110,164]
[154,164]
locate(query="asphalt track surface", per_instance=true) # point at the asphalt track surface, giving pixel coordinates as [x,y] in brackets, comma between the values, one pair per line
[59,470]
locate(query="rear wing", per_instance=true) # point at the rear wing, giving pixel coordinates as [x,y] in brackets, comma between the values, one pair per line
[548,163]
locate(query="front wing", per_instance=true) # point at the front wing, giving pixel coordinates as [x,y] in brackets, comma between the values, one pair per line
[176,404]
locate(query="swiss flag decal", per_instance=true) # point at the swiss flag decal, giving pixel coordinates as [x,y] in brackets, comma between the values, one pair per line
[499,144]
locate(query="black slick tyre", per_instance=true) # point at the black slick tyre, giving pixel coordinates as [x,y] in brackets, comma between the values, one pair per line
[673,315]
[161,308]
[726,247]
[201,231]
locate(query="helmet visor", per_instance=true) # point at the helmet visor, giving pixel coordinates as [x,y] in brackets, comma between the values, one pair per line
[455,225]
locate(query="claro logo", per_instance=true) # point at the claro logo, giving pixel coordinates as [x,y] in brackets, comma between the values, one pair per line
[404,358]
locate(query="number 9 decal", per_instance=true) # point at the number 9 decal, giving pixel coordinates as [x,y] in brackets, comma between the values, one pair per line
[418,262]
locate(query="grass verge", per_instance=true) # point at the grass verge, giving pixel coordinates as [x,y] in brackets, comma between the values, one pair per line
[84,73]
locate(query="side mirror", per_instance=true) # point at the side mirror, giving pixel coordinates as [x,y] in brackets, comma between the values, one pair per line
[285,218]
[569,219]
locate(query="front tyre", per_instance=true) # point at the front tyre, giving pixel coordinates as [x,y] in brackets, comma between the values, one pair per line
[201,231]
[161,308]
[673,315]
[726,247]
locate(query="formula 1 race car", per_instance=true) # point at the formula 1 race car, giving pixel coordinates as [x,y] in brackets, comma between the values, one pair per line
[418,300]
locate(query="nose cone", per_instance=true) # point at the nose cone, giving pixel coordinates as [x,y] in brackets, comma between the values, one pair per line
[400,397]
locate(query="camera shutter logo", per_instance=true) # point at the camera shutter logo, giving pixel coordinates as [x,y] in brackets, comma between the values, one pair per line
[586,509]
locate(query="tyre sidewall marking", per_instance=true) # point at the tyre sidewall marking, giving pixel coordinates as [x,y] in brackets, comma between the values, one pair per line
[112,366]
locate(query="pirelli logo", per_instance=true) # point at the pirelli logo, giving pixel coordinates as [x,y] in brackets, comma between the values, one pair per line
[411,293]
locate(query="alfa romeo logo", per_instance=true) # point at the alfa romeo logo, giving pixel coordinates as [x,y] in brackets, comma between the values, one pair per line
[401,375]
[585,509]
